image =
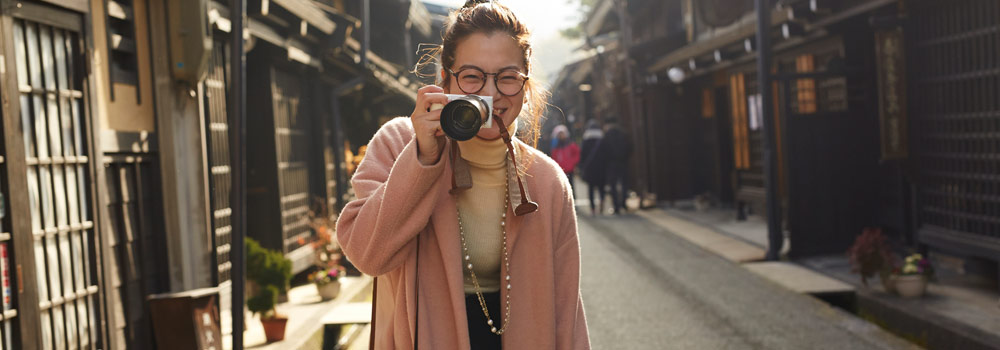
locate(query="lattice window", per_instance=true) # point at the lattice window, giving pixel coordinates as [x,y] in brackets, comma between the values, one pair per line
[218,140]
[954,50]
[58,174]
[136,240]
[747,128]
[816,95]
[741,138]
[805,89]
[292,137]
[123,58]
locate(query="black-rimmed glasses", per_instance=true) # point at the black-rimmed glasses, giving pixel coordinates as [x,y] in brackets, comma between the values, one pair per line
[471,80]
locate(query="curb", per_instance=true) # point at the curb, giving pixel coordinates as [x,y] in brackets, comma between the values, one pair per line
[306,337]
[918,326]
[922,327]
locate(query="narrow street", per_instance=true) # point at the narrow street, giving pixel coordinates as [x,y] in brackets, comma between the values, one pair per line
[646,288]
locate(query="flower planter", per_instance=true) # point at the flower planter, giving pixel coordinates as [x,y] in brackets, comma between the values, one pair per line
[328,291]
[910,286]
[887,282]
[274,328]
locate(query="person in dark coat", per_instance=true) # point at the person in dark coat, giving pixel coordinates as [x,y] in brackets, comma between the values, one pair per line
[593,165]
[616,148]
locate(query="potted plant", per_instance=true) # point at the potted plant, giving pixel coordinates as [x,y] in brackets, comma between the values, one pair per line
[870,255]
[911,280]
[328,254]
[327,282]
[271,272]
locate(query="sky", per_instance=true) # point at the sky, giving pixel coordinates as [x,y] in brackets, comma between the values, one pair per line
[545,18]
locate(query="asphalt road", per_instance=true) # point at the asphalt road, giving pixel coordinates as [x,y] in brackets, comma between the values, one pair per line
[645,288]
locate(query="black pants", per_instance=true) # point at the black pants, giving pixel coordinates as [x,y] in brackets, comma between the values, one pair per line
[596,202]
[572,185]
[479,332]
[619,190]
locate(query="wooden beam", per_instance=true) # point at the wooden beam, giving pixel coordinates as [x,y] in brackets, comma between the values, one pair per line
[310,13]
[707,46]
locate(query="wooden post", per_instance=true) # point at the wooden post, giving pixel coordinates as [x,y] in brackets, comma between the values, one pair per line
[775,235]
[237,142]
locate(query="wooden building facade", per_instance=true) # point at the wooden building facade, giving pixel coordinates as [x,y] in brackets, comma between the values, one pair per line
[885,113]
[953,80]
[115,173]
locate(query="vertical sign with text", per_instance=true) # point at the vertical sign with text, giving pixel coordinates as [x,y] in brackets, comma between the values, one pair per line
[892,93]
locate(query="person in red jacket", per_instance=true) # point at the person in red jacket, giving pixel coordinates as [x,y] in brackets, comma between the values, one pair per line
[565,152]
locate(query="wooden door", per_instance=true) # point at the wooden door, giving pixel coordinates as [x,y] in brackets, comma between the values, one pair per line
[56,269]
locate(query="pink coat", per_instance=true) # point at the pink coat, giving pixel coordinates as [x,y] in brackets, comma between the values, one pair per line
[400,201]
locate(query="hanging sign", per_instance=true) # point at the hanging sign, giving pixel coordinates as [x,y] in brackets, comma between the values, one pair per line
[892,93]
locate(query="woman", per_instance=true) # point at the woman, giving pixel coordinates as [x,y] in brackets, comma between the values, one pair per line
[468,264]
[565,152]
[594,165]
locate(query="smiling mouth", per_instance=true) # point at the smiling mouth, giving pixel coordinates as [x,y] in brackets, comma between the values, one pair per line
[499,111]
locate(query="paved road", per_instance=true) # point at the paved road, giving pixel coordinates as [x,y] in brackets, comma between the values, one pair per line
[645,288]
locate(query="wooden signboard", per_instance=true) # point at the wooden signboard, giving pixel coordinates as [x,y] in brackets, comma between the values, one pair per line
[892,93]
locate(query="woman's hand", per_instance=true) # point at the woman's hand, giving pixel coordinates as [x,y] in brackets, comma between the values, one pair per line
[427,124]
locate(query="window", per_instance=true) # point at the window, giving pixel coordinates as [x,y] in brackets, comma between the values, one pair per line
[707,103]
[53,115]
[741,127]
[123,60]
[805,89]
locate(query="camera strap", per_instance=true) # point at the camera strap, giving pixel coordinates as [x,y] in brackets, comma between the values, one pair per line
[525,205]
[461,176]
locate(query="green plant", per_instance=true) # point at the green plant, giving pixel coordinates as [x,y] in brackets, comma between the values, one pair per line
[870,254]
[272,272]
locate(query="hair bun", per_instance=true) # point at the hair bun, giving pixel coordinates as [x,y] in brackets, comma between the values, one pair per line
[473,3]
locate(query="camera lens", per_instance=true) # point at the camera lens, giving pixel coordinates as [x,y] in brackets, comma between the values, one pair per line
[462,118]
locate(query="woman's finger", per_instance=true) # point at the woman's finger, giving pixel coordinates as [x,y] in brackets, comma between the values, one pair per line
[430,126]
[432,98]
[433,116]
[429,88]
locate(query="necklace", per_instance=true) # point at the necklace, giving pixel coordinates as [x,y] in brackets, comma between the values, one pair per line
[506,262]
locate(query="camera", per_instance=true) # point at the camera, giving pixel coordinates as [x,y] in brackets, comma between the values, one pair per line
[464,115]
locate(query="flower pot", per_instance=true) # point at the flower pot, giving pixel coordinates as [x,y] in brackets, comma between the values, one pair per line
[910,286]
[328,291]
[887,282]
[274,328]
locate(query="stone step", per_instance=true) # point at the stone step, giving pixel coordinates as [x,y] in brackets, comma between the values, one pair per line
[799,279]
[730,248]
[349,313]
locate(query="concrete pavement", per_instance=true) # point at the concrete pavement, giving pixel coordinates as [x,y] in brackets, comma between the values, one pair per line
[647,288]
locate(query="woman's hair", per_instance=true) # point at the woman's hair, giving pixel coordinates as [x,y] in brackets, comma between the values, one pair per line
[490,17]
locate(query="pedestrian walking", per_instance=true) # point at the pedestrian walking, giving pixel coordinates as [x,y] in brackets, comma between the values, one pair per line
[616,148]
[469,265]
[593,166]
[565,153]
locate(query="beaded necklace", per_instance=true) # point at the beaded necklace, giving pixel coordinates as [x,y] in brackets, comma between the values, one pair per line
[506,262]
